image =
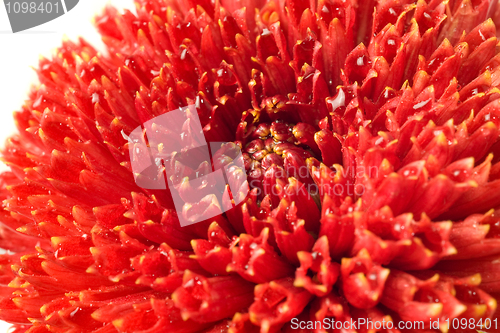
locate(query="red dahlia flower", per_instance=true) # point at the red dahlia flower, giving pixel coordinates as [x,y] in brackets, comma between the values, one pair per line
[392,107]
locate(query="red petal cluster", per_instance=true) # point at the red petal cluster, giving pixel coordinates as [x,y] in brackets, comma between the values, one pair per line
[391,107]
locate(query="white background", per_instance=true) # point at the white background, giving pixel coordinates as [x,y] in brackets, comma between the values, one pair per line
[19,52]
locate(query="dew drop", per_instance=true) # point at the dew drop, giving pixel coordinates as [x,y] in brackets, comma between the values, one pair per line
[338,101]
